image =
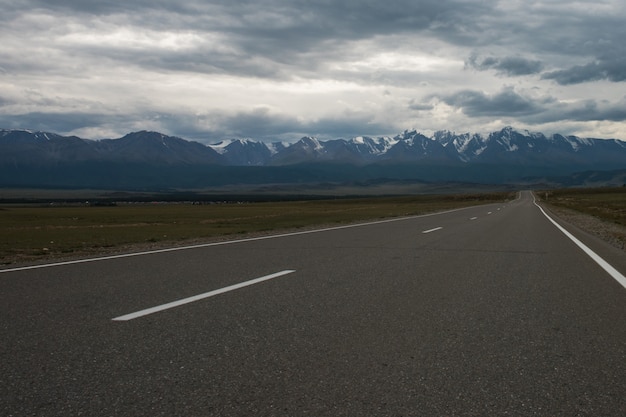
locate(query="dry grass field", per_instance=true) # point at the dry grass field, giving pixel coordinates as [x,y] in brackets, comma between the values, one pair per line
[599,211]
[608,204]
[35,233]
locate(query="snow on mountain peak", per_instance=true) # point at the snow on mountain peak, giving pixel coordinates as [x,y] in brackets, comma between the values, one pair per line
[387,143]
[504,147]
[276,147]
[373,146]
[312,143]
[464,147]
[220,147]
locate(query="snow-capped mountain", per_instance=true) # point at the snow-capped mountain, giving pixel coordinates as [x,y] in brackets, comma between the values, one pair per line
[505,146]
[413,146]
[503,155]
[510,146]
[247,152]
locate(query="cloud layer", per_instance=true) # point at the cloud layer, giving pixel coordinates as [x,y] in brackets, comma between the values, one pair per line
[278,69]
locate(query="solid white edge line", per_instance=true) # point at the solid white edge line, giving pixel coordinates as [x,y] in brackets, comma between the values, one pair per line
[432,230]
[188,300]
[603,264]
[226,242]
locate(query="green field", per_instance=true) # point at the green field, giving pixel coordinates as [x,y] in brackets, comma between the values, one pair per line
[43,232]
[607,204]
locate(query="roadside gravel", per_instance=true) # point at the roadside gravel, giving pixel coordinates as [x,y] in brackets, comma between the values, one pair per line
[612,233]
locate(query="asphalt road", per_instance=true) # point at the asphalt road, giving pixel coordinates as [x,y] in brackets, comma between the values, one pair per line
[493,311]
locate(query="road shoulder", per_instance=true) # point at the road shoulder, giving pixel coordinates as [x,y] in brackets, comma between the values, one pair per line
[612,233]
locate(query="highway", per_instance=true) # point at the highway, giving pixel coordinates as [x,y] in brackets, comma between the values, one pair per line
[489,310]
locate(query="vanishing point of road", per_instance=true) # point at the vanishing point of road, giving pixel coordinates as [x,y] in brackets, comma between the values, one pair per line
[489,310]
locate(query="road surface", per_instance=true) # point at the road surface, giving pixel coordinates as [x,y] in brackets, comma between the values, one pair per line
[489,310]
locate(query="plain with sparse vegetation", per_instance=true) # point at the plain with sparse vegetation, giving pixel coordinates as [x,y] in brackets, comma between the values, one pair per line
[599,211]
[43,232]
[607,204]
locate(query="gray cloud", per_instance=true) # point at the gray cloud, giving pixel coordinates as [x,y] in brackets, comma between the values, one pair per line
[417,106]
[509,65]
[584,111]
[613,70]
[261,38]
[64,121]
[509,103]
[265,125]
[504,103]
[205,68]
[286,32]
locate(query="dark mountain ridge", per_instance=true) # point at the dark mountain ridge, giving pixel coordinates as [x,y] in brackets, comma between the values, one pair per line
[152,160]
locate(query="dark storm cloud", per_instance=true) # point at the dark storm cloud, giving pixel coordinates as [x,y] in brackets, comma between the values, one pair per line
[285,32]
[509,65]
[275,37]
[272,19]
[271,37]
[613,70]
[585,111]
[479,104]
[100,64]
[586,44]
[509,103]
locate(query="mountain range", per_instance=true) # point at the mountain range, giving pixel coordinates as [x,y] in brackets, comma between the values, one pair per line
[154,160]
[505,146]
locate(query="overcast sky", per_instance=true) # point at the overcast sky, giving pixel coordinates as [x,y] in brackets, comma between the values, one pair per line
[281,69]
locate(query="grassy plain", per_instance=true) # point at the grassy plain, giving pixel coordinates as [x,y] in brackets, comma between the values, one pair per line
[33,233]
[608,204]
